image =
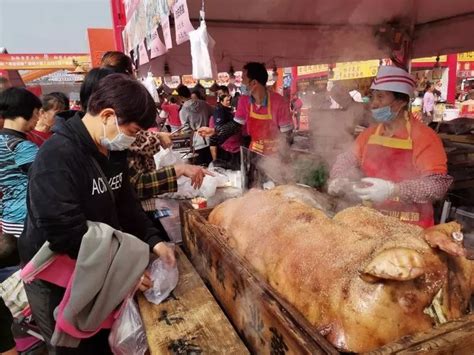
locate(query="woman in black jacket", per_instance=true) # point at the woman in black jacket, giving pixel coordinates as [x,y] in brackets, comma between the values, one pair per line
[81,174]
[225,153]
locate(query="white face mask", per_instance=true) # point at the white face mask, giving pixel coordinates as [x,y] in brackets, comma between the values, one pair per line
[120,142]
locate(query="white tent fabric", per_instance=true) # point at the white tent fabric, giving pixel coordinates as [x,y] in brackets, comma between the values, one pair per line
[302,32]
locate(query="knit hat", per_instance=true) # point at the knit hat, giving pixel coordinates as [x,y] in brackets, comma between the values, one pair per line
[390,78]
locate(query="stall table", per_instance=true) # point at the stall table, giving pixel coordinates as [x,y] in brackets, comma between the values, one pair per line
[189,321]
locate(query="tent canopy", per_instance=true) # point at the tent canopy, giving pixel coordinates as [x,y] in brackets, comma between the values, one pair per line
[303,32]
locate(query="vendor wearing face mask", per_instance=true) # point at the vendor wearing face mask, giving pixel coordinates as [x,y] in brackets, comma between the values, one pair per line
[265,114]
[81,174]
[403,161]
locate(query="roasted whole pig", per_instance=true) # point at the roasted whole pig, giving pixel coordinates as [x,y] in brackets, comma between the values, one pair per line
[361,278]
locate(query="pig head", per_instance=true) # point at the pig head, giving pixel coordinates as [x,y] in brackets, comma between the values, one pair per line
[361,278]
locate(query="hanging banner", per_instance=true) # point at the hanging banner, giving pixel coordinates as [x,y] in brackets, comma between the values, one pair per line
[130,7]
[182,24]
[143,53]
[157,47]
[165,25]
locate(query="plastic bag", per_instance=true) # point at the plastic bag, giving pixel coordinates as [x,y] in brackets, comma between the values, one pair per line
[150,85]
[220,175]
[165,279]
[202,52]
[167,157]
[185,190]
[209,186]
[127,336]
[13,293]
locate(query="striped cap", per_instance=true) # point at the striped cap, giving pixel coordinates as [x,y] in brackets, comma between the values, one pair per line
[390,78]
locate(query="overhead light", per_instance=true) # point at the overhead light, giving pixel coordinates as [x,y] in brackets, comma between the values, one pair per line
[231,75]
[167,76]
[437,72]
[275,72]
[331,71]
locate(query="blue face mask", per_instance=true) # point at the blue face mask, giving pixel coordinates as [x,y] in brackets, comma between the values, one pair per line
[383,114]
[244,89]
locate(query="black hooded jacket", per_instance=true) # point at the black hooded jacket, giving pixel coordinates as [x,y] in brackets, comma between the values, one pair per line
[66,189]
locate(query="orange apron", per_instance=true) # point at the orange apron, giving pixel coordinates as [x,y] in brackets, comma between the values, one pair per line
[263,131]
[392,159]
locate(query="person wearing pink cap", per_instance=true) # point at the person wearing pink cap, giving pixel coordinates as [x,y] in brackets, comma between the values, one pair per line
[402,160]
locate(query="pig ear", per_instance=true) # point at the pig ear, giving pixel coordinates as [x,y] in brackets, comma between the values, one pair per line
[399,264]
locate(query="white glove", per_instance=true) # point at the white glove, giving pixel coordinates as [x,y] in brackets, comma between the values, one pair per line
[336,186]
[379,191]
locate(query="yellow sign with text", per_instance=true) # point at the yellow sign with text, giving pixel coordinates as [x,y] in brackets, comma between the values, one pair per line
[42,61]
[356,70]
[312,69]
[466,57]
[442,58]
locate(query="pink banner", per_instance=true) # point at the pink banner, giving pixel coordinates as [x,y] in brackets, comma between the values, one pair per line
[156,46]
[130,7]
[182,24]
[165,25]
[143,53]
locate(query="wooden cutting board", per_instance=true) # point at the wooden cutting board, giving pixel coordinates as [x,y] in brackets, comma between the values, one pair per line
[190,320]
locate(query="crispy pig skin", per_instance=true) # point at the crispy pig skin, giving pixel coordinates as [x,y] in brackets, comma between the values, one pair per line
[318,264]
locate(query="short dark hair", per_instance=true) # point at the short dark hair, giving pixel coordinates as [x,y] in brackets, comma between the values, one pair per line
[63,98]
[119,61]
[199,95]
[4,83]
[184,91]
[115,91]
[257,71]
[55,101]
[401,97]
[173,100]
[18,102]
[91,81]
[223,88]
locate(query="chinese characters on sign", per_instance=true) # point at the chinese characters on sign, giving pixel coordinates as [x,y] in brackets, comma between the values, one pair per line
[312,69]
[355,70]
[42,61]
[157,47]
[165,25]
[143,53]
[182,24]
[466,57]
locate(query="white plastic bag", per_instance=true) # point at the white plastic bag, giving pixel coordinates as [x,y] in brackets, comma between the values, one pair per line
[165,279]
[185,190]
[150,85]
[209,186]
[220,175]
[202,53]
[127,336]
[167,157]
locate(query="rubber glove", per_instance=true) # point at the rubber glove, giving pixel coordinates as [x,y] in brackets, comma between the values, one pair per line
[337,186]
[378,191]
